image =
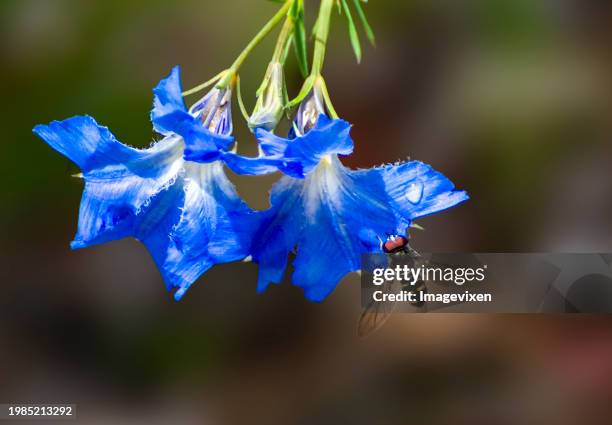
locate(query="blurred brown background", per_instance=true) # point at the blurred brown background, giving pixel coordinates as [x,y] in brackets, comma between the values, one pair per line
[509,98]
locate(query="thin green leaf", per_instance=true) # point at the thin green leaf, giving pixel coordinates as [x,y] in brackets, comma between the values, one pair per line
[300,44]
[296,8]
[354,36]
[364,21]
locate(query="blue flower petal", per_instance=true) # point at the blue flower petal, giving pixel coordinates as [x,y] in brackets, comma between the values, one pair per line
[155,228]
[328,137]
[206,224]
[414,189]
[201,145]
[336,214]
[270,143]
[251,166]
[170,116]
[169,110]
[119,180]
[261,165]
[279,232]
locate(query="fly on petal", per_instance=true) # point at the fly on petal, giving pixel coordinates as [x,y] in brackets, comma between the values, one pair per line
[335,215]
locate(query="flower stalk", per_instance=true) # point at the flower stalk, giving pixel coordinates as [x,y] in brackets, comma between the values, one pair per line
[321,34]
[271,94]
[283,39]
[261,35]
[315,82]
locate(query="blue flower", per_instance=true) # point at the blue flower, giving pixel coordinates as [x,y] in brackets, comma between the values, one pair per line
[188,215]
[334,215]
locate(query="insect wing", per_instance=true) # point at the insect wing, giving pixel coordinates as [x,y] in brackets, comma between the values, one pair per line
[377,313]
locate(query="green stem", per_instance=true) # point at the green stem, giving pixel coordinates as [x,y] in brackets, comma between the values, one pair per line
[321,35]
[272,23]
[283,38]
[202,86]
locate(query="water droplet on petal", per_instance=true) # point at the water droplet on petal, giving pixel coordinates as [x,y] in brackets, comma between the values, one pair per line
[414,193]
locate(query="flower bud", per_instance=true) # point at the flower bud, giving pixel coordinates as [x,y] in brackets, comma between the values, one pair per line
[215,111]
[310,109]
[271,100]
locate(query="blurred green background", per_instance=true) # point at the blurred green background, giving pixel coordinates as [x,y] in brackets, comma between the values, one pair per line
[511,99]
